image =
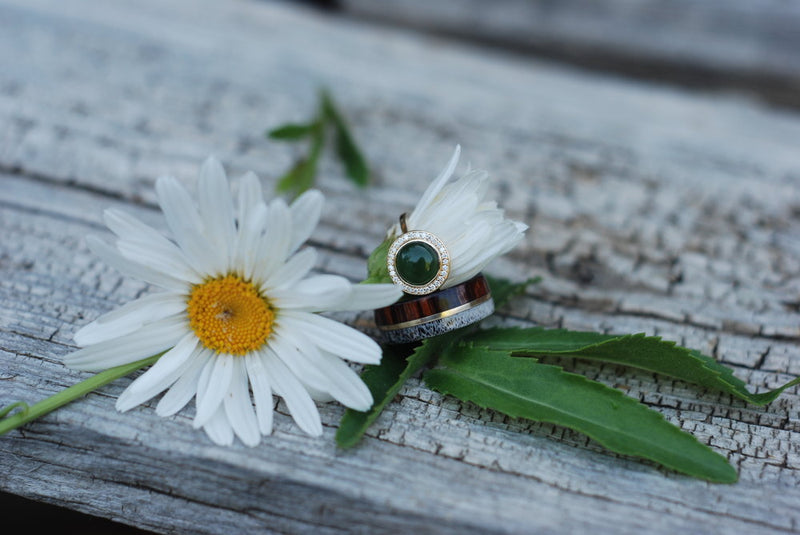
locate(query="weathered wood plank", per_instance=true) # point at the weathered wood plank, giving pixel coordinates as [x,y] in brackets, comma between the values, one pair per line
[651,210]
[744,45]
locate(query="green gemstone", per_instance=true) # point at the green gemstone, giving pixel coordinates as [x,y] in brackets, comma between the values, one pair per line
[417,263]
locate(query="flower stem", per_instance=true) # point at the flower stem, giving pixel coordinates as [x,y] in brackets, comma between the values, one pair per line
[29,413]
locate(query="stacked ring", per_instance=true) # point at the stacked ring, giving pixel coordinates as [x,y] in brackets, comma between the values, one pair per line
[436,313]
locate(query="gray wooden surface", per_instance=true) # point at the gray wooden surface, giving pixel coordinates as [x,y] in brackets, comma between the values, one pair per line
[743,45]
[651,209]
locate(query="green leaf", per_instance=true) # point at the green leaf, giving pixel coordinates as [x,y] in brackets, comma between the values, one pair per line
[524,388]
[384,382]
[302,174]
[291,131]
[503,289]
[346,148]
[636,350]
[377,270]
[295,175]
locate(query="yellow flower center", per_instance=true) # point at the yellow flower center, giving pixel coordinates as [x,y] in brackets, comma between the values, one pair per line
[229,315]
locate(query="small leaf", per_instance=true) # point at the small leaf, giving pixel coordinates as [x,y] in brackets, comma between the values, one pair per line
[294,176]
[302,174]
[377,270]
[503,289]
[384,382]
[346,148]
[636,350]
[291,131]
[528,389]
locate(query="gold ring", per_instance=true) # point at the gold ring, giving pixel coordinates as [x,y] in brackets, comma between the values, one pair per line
[418,261]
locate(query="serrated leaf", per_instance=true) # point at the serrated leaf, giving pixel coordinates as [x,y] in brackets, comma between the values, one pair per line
[524,388]
[354,163]
[291,131]
[503,289]
[377,270]
[636,350]
[384,382]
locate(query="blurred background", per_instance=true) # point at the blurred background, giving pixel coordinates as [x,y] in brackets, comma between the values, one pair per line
[747,46]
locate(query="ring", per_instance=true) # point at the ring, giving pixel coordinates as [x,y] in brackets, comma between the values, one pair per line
[418,261]
[436,313]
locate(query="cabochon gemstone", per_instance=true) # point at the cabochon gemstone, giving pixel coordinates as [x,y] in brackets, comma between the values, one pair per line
[417,263]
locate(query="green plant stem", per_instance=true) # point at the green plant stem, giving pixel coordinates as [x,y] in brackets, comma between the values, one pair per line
[28,414]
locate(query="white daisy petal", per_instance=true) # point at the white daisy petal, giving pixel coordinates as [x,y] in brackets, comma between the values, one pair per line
[130,317]
[368,297]
[250,226]
[317,395]
[160,376]
[290,350]
[128,227]
[321,292]
[213,386]
[333,336]
[218,428]
[239,407]
[262,392]
[324,373]
[274,244]
[133,269]
[505,240]
[205,377]
[292,271]
[280,226]
[306,211]
[249,240]
[216,210]
[436,186]
[183,220]
[185,388]
[146,342]
[300,404]
[460,201]
[346,386]
[250,194]
[462,246]
[143,241]
[167,260]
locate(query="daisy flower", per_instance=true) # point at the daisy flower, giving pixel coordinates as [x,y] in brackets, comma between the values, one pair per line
[238,312]
[472,228]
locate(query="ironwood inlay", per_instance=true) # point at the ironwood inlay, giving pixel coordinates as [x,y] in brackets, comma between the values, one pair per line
[417,307]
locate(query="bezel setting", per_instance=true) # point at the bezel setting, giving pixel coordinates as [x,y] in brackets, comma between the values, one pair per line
[437,245]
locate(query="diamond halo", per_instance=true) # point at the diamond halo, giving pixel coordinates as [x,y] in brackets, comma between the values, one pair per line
[433,241]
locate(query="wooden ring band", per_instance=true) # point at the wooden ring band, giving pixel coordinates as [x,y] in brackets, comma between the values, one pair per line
[433,314]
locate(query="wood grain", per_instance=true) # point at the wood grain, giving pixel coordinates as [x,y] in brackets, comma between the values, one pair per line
[651,210]
[748,46]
